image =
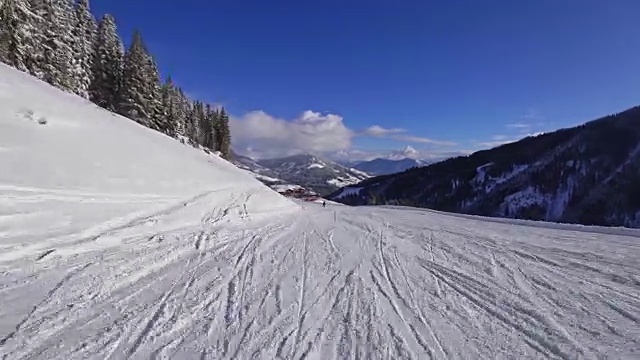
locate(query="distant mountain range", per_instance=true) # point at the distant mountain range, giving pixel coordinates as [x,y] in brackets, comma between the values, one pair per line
[309,171]
[589,174]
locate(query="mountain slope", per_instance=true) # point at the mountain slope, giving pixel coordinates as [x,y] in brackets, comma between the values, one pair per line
[73,170]
[587,174]
[118,242]
[320,175]
[382,166]
[265,175]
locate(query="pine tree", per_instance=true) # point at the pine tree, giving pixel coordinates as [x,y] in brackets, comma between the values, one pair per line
[191,126]
[209,119]
[223,135]
[84,32]
[106,74]
[182,112]
[140,96]
[59,43]
[199,122]
[215,126]
[170,107]
[16,30]
[39,27]
[154,97]
[131,97]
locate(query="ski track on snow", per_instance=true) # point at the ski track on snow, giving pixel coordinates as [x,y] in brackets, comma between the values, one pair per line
[377,283]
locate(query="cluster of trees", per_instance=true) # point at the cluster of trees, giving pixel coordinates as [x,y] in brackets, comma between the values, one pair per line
[60,42]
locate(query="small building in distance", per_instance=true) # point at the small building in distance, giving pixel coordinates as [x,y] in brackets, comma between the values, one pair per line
[297,192]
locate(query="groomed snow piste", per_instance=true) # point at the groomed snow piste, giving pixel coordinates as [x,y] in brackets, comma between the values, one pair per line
[118,242]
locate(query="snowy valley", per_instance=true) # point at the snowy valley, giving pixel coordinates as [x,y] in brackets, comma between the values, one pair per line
[117,241]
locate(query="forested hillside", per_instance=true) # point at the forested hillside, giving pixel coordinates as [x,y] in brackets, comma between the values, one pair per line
[61,43]
[589,174]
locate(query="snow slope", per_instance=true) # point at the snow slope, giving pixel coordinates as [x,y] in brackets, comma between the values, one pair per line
[87,171]
[118,242]
[331,283]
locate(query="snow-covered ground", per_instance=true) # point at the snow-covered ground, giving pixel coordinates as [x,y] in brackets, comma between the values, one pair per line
[118,242]
[83,171]
[325,283]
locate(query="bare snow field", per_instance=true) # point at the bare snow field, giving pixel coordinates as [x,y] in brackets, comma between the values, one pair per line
[117,242]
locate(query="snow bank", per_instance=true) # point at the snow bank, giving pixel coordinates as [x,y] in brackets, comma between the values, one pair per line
[69,166]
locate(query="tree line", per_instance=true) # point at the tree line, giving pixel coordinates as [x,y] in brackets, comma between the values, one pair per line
[60,42]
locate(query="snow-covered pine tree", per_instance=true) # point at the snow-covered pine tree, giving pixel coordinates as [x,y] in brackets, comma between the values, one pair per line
[170,107]
[192,124]
[38,24]
[11,43]
[215,125]
[209,113]
[182,111]
[140,97]
[199,122]
[215,128]
[59,43]
[107,65]
[154,97]
[223,135]
[84,32]
[17,35]
[131,97]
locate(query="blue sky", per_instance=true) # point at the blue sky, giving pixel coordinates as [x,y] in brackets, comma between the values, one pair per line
[365,78]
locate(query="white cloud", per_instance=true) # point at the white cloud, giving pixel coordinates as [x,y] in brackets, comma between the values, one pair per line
[401,135]
[421,140]
[379,131]
[519,126]
[260,135]
[352,155]
[406,152]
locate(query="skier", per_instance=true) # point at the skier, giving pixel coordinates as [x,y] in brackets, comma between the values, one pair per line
[324,203]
